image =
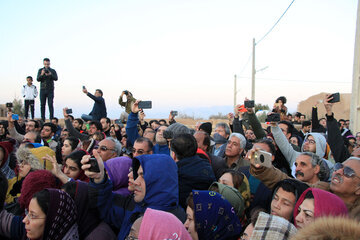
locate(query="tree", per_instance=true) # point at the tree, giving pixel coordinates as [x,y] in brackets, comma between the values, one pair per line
[18,107]
[259,106]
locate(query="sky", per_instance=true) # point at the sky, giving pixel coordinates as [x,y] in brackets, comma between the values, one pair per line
[181,55]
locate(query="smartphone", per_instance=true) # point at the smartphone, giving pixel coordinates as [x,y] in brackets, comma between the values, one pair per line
[145,104]
[84,87]
[15,117]
[274,117]
[94,165]
[174,113]
[263,158]
[249,104]
[117,121]
[9,105]
[69,111]
[336,98]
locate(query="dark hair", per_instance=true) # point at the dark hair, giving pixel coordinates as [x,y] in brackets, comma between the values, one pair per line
[107,120]
[36,122]
[46,60]
[237,177]
[298,114]
[321,119]
[184,145]
[254,214]
[43,199]
[207,140]
[190,202]
[72,117]
[287,187]
[282,98]
[56,119]
[70,187]
[80,121]
[38,137]
[309,195]
[99,90]
[155,121]
[306,123]
[74,142]
[290,126]
[143,139]
[269,143]
[29,77]
[51,125]
[97,125]
[163,120]
[76,157]
[3,189]
[342,120]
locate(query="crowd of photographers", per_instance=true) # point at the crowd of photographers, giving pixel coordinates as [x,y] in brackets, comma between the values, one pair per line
[297,177]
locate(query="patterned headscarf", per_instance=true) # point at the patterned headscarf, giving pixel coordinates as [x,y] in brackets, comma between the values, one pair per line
[61,217]
[215,218]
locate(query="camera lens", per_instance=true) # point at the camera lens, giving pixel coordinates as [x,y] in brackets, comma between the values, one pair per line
[262,158]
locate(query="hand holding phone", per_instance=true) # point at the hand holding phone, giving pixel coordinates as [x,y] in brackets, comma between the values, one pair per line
[145,105]
[335,98]
[94,165]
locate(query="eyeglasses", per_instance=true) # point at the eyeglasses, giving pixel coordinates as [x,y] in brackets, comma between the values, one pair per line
[348,171]
[309,141]
[139,151]
[32,216]
[131,238]
[104,148]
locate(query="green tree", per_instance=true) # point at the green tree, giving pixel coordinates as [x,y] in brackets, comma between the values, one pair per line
[259,106]
[18,107]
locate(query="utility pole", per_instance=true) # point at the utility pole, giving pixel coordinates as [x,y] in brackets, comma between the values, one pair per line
[253,72]
[355,100]
[235,91]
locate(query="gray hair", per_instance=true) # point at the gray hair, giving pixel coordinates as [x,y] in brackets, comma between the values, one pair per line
[324,172]
[241,138]
[225,126]
[117,147]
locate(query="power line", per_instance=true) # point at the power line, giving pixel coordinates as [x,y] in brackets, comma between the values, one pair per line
[275,23]
[295,80]
[247,62]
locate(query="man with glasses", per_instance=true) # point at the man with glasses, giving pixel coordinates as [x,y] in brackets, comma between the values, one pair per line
[142,146]
[109,148]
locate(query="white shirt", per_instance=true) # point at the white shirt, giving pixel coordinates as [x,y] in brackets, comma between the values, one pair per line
[29,92]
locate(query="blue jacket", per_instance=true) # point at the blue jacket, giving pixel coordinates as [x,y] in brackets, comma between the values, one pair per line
[99,109]
[161,149]
[194,173]
[162,193]
[131,129]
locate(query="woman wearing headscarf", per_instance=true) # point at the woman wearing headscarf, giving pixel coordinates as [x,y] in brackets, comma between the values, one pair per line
[314,203]
[156,224]
[210,216]
[118,170]
[70,145]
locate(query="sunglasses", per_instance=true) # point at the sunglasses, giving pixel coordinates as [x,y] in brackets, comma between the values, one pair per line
[348,171]
[104,148]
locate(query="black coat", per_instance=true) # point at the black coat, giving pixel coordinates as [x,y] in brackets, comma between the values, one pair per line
[99,109]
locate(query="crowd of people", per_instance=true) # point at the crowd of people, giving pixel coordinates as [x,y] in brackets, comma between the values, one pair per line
[94,178]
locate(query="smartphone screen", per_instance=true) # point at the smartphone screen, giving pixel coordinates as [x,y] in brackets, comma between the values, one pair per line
[145,104]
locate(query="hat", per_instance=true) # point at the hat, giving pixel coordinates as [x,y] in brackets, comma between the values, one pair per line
[8,148]
[42,152]
[206,127]
[23,154]
[175,129]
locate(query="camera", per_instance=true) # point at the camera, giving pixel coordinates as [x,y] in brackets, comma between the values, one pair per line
[94,165]
[274,117]
[263,158]
[46,70]
[249,104]
[9,105]
[174,113]
[69,111]
[126,92]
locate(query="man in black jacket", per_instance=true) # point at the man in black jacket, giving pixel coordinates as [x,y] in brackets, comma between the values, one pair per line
[46,76]
[99,109]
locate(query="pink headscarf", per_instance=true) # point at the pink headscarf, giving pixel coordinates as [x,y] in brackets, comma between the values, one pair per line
[325,204]
[161,225]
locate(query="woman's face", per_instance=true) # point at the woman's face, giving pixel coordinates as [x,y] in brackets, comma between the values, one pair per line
[71,169]
[190,224]
[34,221]
[226,179]
[66,148]
[294,141]
[306,213]
[131,187]
[24,169]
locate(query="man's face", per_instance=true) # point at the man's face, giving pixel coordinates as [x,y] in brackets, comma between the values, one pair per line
[221,131]
[29,126]
[29,81]
[346,186]
[342,124]
[64,135]
[76,124]
[53,121]
[305,172]
[306,129]
[29,137]
[141,149]
[159,136]
[46,64]
[149,135]
[97,94]
[199,136]
[46,132]
[323,122]
[104,124]
[140,186]
[249,134]
[92,129]
[233,147]
[347,124]
[309,144]
[284,128]
[154,125]
[2,130]
[283,204]
[106,149]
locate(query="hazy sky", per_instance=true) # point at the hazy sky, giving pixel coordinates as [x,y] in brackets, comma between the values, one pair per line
[182,54]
